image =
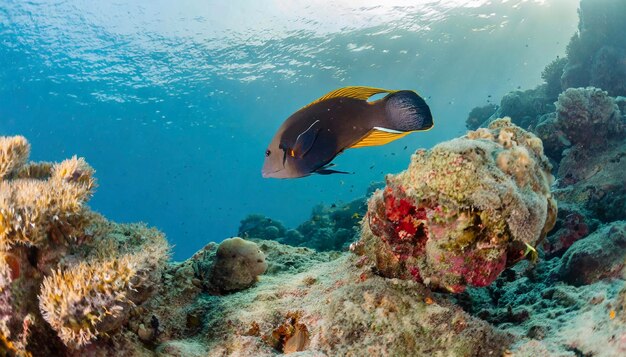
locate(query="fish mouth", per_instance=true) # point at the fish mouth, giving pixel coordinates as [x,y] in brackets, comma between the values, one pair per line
[268,174]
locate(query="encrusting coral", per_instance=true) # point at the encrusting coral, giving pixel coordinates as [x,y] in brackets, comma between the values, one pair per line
[462,211]
[67,276]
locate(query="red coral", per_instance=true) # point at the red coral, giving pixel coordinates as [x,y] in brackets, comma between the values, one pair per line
[483,272]
[415,273]
[400,224]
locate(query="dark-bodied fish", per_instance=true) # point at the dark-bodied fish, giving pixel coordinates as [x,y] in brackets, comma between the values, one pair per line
[311,137]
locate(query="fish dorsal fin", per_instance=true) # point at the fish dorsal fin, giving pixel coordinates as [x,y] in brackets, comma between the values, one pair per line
[304,141]
[356,92]
[379,136]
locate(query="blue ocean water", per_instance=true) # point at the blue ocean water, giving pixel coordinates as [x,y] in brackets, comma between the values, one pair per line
[173,103]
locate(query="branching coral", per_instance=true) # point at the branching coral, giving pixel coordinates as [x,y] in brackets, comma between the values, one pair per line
[463,211]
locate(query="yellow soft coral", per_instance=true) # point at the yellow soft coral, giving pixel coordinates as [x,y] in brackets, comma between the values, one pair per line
[14,151]
[92,298]
[67,263]
[86,300]
[32,207]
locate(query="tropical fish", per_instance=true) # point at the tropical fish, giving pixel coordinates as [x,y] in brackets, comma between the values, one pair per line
[313,136]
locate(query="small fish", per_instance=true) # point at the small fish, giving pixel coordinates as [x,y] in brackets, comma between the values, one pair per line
[356,215]
[313,136]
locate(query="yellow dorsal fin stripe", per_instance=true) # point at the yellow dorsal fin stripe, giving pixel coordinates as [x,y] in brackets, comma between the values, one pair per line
[362,93]
[377,137]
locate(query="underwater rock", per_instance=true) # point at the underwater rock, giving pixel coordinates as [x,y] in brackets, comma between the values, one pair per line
[237,264]
[601,255]
[293,260]
[462,211]
[594,180]
[554,140]
[572,225]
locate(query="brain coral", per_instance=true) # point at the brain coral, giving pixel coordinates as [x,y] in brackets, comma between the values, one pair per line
[238,263]
[462,211]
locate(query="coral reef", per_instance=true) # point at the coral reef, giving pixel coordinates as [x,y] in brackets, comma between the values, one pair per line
[67,276]
[595,181]
[331,227]
[523,107]
[479,115]
[259,226]
[596,54]
[588,117]
[570,303]
[463,211]
[596,57]
[552,77]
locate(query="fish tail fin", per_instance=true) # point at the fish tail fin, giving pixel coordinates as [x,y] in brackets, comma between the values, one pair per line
[407,111]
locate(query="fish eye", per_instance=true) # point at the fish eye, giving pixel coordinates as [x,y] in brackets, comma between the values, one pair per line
[267,152]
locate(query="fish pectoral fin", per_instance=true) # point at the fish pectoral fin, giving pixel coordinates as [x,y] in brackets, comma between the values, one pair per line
[304,141]
[356,92]
[329,172]
[325,170]
[379,136]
